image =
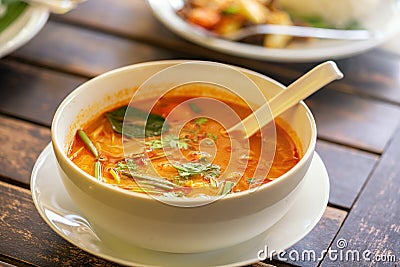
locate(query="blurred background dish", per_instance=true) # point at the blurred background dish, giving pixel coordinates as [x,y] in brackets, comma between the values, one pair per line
[383,22]
[20,27]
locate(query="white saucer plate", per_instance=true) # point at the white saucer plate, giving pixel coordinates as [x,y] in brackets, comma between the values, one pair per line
[23,29]
[384,23]
[57,209]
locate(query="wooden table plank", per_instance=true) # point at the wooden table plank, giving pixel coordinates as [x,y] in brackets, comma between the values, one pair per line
[25,236]
[372,74]
[85,52]
[348,170]
[351,120]
[21,144]
[33,93]
[131,18]
[373,224]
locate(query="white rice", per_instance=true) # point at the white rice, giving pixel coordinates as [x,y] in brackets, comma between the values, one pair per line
[339,13]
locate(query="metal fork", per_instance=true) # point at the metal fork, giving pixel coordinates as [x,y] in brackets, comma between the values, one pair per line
[298,31]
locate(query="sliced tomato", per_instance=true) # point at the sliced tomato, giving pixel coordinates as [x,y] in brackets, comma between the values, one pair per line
[204,17]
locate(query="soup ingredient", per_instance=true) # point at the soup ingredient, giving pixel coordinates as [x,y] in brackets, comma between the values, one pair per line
[88,143]
[93,149]
[171,141]
[206,170]
[134,120]
[229,16]
[97,170]
[226,188]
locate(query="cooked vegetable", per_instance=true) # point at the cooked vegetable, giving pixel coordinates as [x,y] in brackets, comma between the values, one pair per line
[97,170]
[206,170]
[226,188]
[223,17]
[88,143]
[115,174]
[171,141]
[137,122]
[227,16]
[254,11]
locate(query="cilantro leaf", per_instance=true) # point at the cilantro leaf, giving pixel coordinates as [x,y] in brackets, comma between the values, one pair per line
[206,170]
[171,141]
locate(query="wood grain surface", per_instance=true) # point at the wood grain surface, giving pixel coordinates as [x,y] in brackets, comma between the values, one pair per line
[373,224]
[358,121]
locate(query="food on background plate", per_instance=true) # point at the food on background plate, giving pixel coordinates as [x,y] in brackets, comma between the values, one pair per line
[98,150]
[227,16]
[9,11]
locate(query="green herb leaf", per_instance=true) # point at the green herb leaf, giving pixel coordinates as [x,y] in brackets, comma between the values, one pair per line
[126,166]
[200,121]
[319,22]
[136,124]
[207,170]
[14,10]
[231,10]
[226,188]
[315,21]
[171,141]
[212,136]
[129,168]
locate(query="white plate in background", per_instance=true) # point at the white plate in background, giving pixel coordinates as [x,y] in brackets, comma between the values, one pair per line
[23,29]
[385,23]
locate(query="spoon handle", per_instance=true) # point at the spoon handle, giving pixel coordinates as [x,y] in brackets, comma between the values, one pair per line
[303,87]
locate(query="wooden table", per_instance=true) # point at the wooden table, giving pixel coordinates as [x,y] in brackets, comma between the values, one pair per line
[357,119]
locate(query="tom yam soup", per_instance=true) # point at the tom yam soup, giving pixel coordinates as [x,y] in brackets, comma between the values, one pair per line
[135,154]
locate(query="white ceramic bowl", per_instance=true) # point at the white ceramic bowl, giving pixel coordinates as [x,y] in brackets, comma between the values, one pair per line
[146,222]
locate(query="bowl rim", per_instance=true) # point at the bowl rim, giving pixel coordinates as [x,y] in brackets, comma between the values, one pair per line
[59,148]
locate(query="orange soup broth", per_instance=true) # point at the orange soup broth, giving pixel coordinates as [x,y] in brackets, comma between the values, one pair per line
[109,145]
